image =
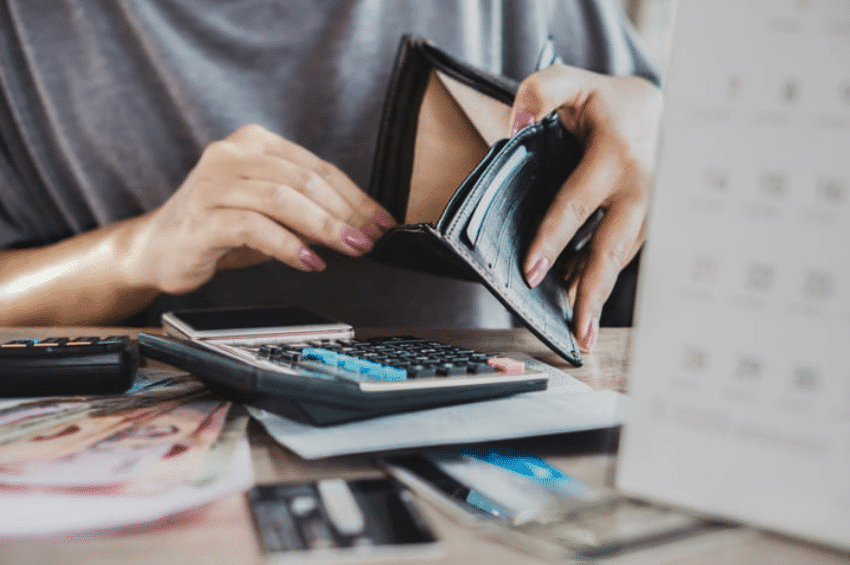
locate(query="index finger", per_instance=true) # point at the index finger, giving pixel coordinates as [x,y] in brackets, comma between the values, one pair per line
[366,209]
[551,88]
[585,190]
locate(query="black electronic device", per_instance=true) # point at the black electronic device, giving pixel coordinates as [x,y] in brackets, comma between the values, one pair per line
[335,518]
[321,374]
[63,366]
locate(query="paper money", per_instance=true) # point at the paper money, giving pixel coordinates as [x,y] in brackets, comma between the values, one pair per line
[166,431]
[185,461]
[221,453]
[26,417]
[120,458]
[33,442]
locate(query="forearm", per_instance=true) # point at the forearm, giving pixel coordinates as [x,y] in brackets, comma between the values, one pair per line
[89,279]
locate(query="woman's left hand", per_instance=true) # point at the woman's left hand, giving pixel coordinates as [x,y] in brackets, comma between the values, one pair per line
[616,119]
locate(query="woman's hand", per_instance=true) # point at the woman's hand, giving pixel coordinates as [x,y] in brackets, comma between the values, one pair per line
[254,195]
[616,119]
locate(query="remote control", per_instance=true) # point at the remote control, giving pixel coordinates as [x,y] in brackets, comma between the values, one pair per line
[61,366]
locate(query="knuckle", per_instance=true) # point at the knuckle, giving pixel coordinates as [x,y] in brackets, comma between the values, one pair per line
[278,197]
[325,170]
[329,227]
[248,132]
[290,247]
[576,210]
[248,138]
[221,152]
[217,149]
[530,93]
[615,257]
[241,227]
[311,182]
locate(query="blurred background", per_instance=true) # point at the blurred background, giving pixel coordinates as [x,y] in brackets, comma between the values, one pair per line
[653,20]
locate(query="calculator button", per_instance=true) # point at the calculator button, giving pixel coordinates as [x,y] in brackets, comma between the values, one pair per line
[507,365]
[451,369]
[82,341]
[20,343]
[481,369]
[419,371]
[113,339]
[51,342]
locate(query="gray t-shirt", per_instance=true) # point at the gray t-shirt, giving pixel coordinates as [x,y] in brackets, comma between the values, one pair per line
[105,105]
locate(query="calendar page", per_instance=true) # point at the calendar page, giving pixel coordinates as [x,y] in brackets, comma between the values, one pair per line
[740,377]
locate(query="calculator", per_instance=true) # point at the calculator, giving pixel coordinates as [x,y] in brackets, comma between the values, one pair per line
[62,366]
[325,375]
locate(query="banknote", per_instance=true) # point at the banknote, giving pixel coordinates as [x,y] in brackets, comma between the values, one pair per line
[99,418]
[109,464]
[220,455]
[26,417]
[185,461]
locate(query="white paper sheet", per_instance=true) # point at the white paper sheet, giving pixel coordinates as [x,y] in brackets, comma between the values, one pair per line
[740,384]
[566,406]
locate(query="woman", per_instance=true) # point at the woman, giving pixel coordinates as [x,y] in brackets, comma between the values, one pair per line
[149,145]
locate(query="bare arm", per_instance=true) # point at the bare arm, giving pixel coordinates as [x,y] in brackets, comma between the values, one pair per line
[85,279]
[252,196]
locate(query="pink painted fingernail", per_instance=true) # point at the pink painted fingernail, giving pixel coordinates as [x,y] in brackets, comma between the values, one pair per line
[384,219]
[592,334]
[310,260]
[356,241]
[372,231]
[537,272]
[521,120]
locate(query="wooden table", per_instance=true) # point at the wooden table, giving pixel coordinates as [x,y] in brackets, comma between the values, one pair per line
[222,532]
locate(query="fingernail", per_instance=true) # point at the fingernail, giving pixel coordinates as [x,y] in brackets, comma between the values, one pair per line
[537,272]
[372,231]
[592,334]
[311,260]
[521,120]
[356,241]
[383,219]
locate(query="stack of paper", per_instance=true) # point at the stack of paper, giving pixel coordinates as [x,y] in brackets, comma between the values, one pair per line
[567,405]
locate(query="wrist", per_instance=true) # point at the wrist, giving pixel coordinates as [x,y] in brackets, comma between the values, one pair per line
[135,267]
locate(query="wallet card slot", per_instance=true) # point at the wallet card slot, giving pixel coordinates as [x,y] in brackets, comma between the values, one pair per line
[513,164]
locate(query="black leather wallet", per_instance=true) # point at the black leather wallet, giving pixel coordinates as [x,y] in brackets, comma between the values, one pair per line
[470,200]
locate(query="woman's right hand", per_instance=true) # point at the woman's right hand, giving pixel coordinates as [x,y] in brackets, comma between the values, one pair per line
[252,195]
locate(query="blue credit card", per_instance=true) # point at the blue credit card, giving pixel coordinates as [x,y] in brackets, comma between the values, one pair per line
[531,467]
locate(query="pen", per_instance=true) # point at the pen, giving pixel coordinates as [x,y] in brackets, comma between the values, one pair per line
[548,55]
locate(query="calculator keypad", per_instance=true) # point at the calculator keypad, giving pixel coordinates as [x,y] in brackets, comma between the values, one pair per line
[388,358]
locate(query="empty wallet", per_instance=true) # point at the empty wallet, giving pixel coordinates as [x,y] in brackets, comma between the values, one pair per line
[469,201]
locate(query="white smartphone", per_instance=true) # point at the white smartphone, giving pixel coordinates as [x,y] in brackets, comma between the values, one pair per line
[281,323]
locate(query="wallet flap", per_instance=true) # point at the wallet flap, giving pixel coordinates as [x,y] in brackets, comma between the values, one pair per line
[448,146]
[436,126]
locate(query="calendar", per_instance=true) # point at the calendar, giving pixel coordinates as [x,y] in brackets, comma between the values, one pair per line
[740,365]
